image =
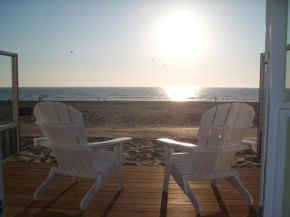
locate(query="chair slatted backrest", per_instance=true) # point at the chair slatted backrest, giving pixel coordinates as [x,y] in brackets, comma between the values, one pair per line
[221,127]
[64,129]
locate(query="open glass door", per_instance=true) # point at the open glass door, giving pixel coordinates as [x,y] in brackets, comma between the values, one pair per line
[9,127]
[275,172]
[9,130]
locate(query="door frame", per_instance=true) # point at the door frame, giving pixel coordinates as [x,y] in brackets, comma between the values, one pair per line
[14,124]
[274,82]
[15,94]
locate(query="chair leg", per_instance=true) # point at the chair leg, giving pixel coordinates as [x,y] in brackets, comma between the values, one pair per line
[120,174]
[119,164]
[76,179]
[167,168]
[193,199]
[166,178]
[214,182]
[237,184]
[52,178]
[93,190]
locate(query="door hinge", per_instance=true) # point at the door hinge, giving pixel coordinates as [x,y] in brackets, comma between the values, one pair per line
[267,61]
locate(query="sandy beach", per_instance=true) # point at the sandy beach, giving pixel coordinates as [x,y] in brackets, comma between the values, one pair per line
[143,121]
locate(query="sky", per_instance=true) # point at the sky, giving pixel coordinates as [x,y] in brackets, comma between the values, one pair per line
[201,43]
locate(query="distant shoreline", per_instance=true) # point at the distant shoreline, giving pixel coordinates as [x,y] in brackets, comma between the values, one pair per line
[137,87]
[133,94]
[101,101]
[129,101]
[230,101]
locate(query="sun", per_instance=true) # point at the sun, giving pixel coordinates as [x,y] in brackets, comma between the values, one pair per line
[180,34]
[182,93]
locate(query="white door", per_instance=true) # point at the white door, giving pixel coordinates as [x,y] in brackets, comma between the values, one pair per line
[275,167]
[9,130]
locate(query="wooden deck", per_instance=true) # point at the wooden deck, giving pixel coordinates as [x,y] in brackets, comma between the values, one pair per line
[142,195]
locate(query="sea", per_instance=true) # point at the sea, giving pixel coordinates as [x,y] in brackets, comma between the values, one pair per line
[132,94]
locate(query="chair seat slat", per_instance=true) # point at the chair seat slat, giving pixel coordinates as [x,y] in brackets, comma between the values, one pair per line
[225,127]
[60,125]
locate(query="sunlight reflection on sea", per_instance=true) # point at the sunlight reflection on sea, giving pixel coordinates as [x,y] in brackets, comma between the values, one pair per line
[182,93]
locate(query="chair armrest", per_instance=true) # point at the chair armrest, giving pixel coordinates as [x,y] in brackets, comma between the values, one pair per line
[236,148]
[248,143]
[182,146]
[245,144]
[107,144]
[41,142]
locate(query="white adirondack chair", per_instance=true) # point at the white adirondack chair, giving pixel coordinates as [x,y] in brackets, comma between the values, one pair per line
[220,136]
[65,134]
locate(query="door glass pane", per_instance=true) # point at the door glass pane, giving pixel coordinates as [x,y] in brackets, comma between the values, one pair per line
[6,96]
[287,77]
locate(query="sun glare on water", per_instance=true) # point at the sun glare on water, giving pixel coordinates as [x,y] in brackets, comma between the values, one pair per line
[180,35]
[181,93]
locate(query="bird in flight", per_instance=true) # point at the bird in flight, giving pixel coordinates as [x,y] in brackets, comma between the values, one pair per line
[152,59]
[71,52]
[164,65]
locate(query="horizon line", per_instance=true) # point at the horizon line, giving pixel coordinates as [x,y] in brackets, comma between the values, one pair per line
[120,87]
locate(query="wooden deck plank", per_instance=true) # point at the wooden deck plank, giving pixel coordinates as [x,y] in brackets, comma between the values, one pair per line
[142,195]
[66,181]
[131,200]
[69,213]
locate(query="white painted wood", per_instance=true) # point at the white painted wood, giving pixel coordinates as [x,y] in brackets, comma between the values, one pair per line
[65,134]
[203,132]
[192,197]
[237,184]
[14,58]
[90,194]
[167,161]
[274,83]
[7,126]
[51,179]
[108,143]
[182,146]
[6,53]
[179,179]
[245,144]
[75,179]
[15,92]
[221,133]
[214,182]
[119,165]
[279,190]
